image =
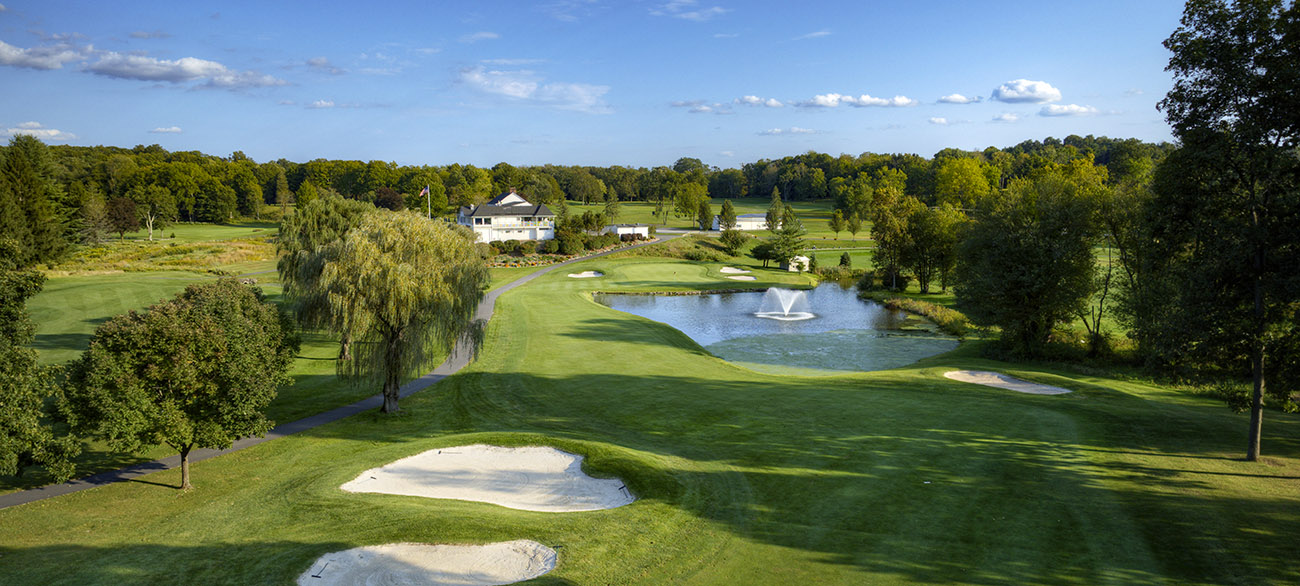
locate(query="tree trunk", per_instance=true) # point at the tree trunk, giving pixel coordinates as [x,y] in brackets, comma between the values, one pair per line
[345,348]
[1257,368]
[392,373]
[185,467]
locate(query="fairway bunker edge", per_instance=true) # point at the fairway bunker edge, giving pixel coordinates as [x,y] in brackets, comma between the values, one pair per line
[533,478]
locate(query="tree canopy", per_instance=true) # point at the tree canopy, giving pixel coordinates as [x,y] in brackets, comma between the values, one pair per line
[26,437]
[406,288]
[1223,278]
[194,371]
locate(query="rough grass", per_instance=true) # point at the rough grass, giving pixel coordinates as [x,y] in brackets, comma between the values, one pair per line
[898,476]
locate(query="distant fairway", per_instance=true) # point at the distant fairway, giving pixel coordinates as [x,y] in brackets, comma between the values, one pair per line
[899,476]
[68,309]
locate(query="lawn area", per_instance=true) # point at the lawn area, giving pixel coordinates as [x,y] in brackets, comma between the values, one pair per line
[815,215]
[185,232]
[898,476]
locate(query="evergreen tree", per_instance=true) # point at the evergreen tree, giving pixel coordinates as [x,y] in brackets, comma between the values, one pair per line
[27,195]
[788,241]
[727,218]
[705,215]
[775,210]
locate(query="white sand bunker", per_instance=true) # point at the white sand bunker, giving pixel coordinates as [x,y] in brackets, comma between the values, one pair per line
[586,275]
[443,565]
[531,479]
[742,278]
[1002,381]
[732,270]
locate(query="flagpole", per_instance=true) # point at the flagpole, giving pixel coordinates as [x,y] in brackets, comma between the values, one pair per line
[428,201]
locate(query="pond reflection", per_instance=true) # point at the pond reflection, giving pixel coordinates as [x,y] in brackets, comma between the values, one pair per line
[845,333]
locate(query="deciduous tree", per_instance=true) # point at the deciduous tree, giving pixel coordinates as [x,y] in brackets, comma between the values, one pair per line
[1226,215]
[195,371]
[407,287]
[1026,264]
[26,437]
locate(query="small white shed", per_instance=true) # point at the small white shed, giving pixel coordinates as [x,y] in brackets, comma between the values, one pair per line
[642,230]
[797,264]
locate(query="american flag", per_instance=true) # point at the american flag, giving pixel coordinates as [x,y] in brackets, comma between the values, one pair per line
[424,191]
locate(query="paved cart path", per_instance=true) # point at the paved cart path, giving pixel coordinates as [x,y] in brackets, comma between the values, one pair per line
[459,358]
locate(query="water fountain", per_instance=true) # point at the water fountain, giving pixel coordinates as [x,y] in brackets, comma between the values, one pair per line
[784,305]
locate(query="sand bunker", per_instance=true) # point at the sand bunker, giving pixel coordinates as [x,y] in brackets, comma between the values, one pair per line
[1002,381]
[741,278]
[586,275]
[444,565]
[732,270]
[531,479]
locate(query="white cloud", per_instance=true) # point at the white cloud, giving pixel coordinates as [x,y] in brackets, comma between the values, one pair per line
[38,130]
[1024,90]
[185,69]
[525,86]
[939,121]
[757,101]
[479,36]
[727,153]
[1133,92]
[323,65]
[703,107]
[960,99]
[688,10]
[51,57]
[167,130]
[150,35]
[512,62]
[321,104]
[834,100]
[791,130]
[813,35]
[725,35]
[428,50]
[1067,110]
[3,8]
[1006,117]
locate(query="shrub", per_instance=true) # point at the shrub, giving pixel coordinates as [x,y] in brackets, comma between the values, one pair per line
[551,246]
[510,246]
[949,320]
[571,244]
[527,247]
[896,281]
[846,260]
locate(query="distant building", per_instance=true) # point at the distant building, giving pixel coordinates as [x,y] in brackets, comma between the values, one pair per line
[797,264]
[642,230]
[508,217]
[745,222]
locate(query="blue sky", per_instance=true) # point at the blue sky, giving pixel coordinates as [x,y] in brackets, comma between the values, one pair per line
[589,82]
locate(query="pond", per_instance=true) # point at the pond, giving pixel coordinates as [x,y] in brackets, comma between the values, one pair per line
[826,330]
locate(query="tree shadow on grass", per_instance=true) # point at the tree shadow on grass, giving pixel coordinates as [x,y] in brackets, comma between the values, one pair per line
[925,480]
[276,562]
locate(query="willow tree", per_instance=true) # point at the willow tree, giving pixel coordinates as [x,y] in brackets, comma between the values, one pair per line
[406,288]
[303,249]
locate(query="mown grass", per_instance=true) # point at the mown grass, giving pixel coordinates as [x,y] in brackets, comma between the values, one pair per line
[187,232]
[898,476]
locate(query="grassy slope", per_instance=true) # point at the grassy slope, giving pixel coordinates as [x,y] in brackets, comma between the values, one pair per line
[69,308]
[897,476]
